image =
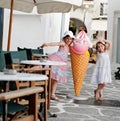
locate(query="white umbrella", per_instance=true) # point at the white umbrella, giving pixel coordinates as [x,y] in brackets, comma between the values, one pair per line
[43,6]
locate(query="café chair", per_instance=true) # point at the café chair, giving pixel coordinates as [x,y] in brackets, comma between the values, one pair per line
[11,63]
[31,51]
[2,60]
[37,51]
[13,58]
[16,109]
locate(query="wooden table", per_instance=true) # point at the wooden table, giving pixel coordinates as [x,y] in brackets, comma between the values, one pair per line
[45,63]
[39,56]
[19,77]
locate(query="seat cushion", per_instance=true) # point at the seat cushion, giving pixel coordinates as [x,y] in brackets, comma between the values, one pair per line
[13,107]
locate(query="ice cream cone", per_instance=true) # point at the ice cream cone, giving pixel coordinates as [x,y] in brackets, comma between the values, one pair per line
[79,63]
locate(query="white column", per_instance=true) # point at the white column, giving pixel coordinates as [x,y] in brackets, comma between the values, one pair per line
[65,19]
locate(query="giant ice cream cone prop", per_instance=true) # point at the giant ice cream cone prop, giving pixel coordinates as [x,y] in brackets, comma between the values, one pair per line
[79,61]
[79,65]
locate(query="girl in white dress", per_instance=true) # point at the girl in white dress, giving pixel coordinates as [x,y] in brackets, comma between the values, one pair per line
[102,72]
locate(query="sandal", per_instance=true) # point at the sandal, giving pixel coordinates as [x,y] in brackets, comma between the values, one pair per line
[52,114]
[100,99]
[100,95]
[53,97]
[95,93]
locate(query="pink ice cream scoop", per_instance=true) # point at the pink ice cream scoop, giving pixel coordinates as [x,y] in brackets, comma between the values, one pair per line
[79,49]
[81,43]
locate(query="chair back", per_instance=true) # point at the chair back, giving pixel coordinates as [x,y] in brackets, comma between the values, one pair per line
[19,112]
[14,57]
[37,51]
[30,51]
[2,60]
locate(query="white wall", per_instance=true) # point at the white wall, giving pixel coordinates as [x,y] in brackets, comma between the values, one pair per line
[79,14]
[113,6]
[31,30]
[96,12]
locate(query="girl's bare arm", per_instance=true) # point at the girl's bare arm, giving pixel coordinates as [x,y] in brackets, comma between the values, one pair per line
[108,44]
[53,44]
[94,49]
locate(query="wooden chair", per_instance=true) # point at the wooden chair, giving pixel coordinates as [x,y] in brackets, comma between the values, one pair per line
[32,93]
[2,60]
[13,58]
[11,63]
[30,52]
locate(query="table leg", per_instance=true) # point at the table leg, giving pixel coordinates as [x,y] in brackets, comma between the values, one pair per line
[49,93]
[4,110]
[49,86]
[4,116]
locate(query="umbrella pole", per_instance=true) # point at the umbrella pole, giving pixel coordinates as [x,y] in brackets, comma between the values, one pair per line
[10,25]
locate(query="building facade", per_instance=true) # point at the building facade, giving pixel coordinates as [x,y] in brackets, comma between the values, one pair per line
[100,17]
[93,15]
[114,29]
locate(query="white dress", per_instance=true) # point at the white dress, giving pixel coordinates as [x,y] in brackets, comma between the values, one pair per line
[102,71]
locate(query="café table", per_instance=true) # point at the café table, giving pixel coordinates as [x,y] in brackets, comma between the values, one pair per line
[40,55]
[45,63]
[37,56]
[19,77]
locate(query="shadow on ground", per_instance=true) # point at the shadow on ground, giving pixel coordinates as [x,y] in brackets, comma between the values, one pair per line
[105,102]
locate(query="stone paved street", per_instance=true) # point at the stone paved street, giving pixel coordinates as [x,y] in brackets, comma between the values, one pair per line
[83,107]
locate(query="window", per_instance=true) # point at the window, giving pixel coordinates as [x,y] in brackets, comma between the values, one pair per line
[103,9]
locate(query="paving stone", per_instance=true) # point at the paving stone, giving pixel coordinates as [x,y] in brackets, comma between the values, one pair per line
[83,107]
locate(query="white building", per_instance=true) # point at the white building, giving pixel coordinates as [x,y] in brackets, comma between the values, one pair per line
[102,16]
[114,29]
[31,30]
[93,15]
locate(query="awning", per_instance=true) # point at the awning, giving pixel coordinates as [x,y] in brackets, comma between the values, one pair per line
[43,6]
[99,25]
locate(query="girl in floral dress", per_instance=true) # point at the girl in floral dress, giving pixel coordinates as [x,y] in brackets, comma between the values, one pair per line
[59,73]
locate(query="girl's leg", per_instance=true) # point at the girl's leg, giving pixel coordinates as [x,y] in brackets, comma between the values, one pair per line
[101,89]
[99,94]
[96,94]
[53,89]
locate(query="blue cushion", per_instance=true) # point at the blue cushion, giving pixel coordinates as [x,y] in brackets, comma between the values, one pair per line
[28,51]
[2,60]
[13,107]
[15,57]
[37,51]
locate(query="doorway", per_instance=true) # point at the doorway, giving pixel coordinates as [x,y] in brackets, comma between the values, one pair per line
[118,42]
[75,25]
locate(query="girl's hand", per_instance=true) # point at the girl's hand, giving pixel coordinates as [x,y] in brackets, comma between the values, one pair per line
[43,45]
[108,44]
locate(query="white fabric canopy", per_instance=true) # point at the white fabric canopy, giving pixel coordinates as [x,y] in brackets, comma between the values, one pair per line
[43,6]
[99,25]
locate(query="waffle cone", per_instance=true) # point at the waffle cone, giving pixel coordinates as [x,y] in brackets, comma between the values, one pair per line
[79,65]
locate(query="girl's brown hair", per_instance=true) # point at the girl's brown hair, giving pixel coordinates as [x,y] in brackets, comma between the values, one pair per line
[100,42]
